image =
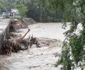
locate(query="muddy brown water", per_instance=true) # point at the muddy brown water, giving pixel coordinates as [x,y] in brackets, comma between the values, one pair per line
[36,58]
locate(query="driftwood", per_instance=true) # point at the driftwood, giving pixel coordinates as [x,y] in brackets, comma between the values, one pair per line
[9,46]
[14,45]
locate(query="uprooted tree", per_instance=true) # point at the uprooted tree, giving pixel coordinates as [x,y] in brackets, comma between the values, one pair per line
[73,50]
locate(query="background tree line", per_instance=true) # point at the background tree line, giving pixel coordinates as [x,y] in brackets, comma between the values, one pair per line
[32,9]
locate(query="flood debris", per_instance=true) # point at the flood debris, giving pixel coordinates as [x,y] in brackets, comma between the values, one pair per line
[15,42]
[15,24]
[10,45]
[47,42]
[43,42]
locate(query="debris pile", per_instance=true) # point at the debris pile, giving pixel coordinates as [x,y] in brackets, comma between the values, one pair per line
[8,46]
[15,42]
[12,44]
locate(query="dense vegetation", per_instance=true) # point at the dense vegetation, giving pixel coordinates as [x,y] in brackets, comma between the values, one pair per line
[32,9]
[7,5]
[73,50]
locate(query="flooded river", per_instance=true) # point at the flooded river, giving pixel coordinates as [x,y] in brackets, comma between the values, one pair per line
[36,58]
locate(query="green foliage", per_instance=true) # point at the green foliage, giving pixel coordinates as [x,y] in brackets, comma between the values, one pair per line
[36,9]
[73,50]
[6,5]
[66,60]
[76,48]
[22,9]
[40,13]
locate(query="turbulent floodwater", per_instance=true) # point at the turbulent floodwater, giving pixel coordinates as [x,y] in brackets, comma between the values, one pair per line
[36,58]
[48,30]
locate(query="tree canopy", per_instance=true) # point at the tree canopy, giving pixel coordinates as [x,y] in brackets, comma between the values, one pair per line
[32,9]
[7,5]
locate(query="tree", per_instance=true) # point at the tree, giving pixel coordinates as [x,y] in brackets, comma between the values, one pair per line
[40,13]
[73,50]
[6,5]
[30,8]
[22,6]
[22,9]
